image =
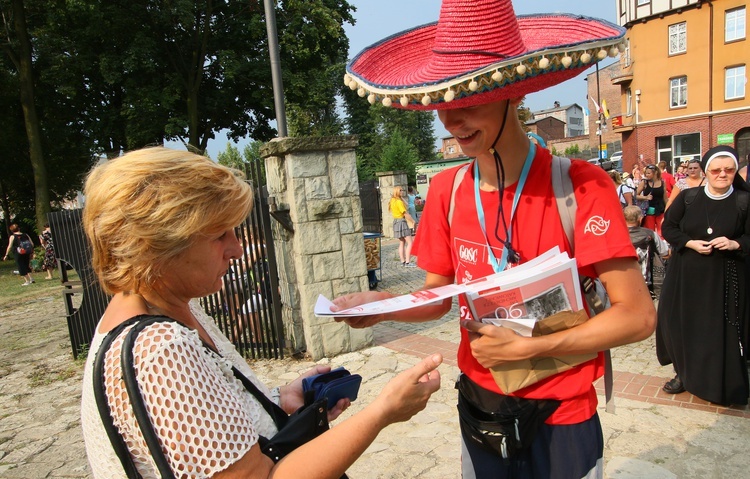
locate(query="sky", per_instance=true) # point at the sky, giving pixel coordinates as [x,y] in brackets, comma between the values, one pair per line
[377,19]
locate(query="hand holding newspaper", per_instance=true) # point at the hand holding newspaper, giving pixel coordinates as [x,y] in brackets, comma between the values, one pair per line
[516,298]
[539,297]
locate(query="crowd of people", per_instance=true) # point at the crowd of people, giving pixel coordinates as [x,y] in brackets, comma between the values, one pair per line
[706,225]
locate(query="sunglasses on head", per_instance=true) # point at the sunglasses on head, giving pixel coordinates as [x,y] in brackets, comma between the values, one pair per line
[651,167]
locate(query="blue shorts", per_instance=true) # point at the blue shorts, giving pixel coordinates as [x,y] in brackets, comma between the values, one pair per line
[558,452]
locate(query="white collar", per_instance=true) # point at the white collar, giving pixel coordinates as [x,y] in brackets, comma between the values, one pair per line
[718,197]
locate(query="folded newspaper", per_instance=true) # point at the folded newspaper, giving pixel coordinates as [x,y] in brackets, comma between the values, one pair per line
[516,298]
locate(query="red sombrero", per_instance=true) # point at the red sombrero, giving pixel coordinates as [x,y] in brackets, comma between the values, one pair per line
[479,51]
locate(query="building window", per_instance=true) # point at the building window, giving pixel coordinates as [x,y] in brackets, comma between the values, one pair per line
[643,2]
[627,53]
[734,25]
[678,38]
[629,102]
[687,147]
[678,92]
[734,84]
[664,149]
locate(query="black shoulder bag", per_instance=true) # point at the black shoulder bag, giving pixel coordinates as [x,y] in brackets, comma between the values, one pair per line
[305,424]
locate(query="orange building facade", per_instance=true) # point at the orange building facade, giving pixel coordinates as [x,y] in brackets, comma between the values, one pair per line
[683,79]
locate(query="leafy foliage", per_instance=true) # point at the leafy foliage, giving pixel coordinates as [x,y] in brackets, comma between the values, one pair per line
[378,127]
[400,154]
[115,75]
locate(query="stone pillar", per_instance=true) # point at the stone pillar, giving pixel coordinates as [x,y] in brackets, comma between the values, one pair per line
[388,181]
[313,187]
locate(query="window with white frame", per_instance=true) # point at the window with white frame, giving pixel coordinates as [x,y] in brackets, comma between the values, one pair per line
[643,2]
[629,102]
[627,53]
[734,25]
[734,83]
[678,92]
[678,38]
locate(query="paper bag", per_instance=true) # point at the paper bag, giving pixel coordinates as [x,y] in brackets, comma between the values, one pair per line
[517,375]
[410,221]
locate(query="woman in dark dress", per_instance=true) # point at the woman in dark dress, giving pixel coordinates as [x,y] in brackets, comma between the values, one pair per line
[50,260]
[652,190]
[709,230]
[22,260]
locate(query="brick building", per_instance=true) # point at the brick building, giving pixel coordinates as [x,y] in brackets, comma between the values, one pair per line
[683,79]
[549,128]
[572,115]
[605,91]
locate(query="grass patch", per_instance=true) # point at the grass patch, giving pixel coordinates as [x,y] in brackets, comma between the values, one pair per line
[43,375]
[11,290]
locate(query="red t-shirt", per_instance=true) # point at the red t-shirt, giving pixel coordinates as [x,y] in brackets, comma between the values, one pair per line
[669,182]
[600,234]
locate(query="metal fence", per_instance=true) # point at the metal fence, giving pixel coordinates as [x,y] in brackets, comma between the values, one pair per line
[248,307]
[369,197]
[72,248]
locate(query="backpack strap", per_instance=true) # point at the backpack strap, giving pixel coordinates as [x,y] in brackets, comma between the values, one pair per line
[566,208]
[460,173]
[564,196]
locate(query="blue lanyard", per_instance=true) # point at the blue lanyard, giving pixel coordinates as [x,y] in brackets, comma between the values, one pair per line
[497,267]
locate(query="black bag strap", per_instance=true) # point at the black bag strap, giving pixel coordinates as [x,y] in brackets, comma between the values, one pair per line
[136,400]
[118,443]
[278,415]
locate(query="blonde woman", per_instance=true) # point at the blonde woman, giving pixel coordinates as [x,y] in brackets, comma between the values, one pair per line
[401,228]
[162,229]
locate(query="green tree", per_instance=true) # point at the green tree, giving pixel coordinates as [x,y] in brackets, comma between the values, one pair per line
[231,157]
[122,74]
[574,150]
[20,51]
[399,154]
[375,127]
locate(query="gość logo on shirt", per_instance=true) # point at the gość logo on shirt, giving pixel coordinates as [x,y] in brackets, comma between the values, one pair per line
[468,254]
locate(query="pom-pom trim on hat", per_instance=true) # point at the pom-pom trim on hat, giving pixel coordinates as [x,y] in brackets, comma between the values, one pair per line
[484,79]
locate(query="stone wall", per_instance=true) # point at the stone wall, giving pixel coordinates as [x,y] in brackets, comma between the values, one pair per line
[312,183]
[388,181]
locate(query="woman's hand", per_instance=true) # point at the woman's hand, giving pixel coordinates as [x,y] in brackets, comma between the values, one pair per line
[725,244]
[355,299]
[492,345]
[292,397]
[407,394]
[699,246]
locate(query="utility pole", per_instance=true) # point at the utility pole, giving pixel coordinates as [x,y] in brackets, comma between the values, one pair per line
[278,84]
[599,113]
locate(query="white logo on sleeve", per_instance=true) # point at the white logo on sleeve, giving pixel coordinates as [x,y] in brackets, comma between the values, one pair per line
[596,225]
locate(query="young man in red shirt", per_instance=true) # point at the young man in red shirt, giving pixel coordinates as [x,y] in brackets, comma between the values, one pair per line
[474,66]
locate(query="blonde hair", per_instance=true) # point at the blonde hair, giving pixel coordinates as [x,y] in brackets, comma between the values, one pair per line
[146,207]
[398,193]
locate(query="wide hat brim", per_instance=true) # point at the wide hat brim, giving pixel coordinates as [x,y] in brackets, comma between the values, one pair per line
[425,69]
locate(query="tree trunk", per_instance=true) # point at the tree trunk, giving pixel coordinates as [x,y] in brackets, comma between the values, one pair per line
[31,120]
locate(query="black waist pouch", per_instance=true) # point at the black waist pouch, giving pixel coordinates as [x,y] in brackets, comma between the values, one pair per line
[504,425]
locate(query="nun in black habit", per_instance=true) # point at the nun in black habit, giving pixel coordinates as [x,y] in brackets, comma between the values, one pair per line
[703,308]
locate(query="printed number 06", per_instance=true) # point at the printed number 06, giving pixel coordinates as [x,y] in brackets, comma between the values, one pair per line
[512,312]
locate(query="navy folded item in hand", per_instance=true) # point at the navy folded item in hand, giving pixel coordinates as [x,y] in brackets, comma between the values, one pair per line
[334,385]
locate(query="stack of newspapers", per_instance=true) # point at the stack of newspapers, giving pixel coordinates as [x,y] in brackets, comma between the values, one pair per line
[516,298]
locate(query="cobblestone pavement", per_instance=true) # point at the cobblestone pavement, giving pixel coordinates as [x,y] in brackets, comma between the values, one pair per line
[651,435]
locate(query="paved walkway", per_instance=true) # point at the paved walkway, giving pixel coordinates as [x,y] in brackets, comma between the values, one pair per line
[651,435]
